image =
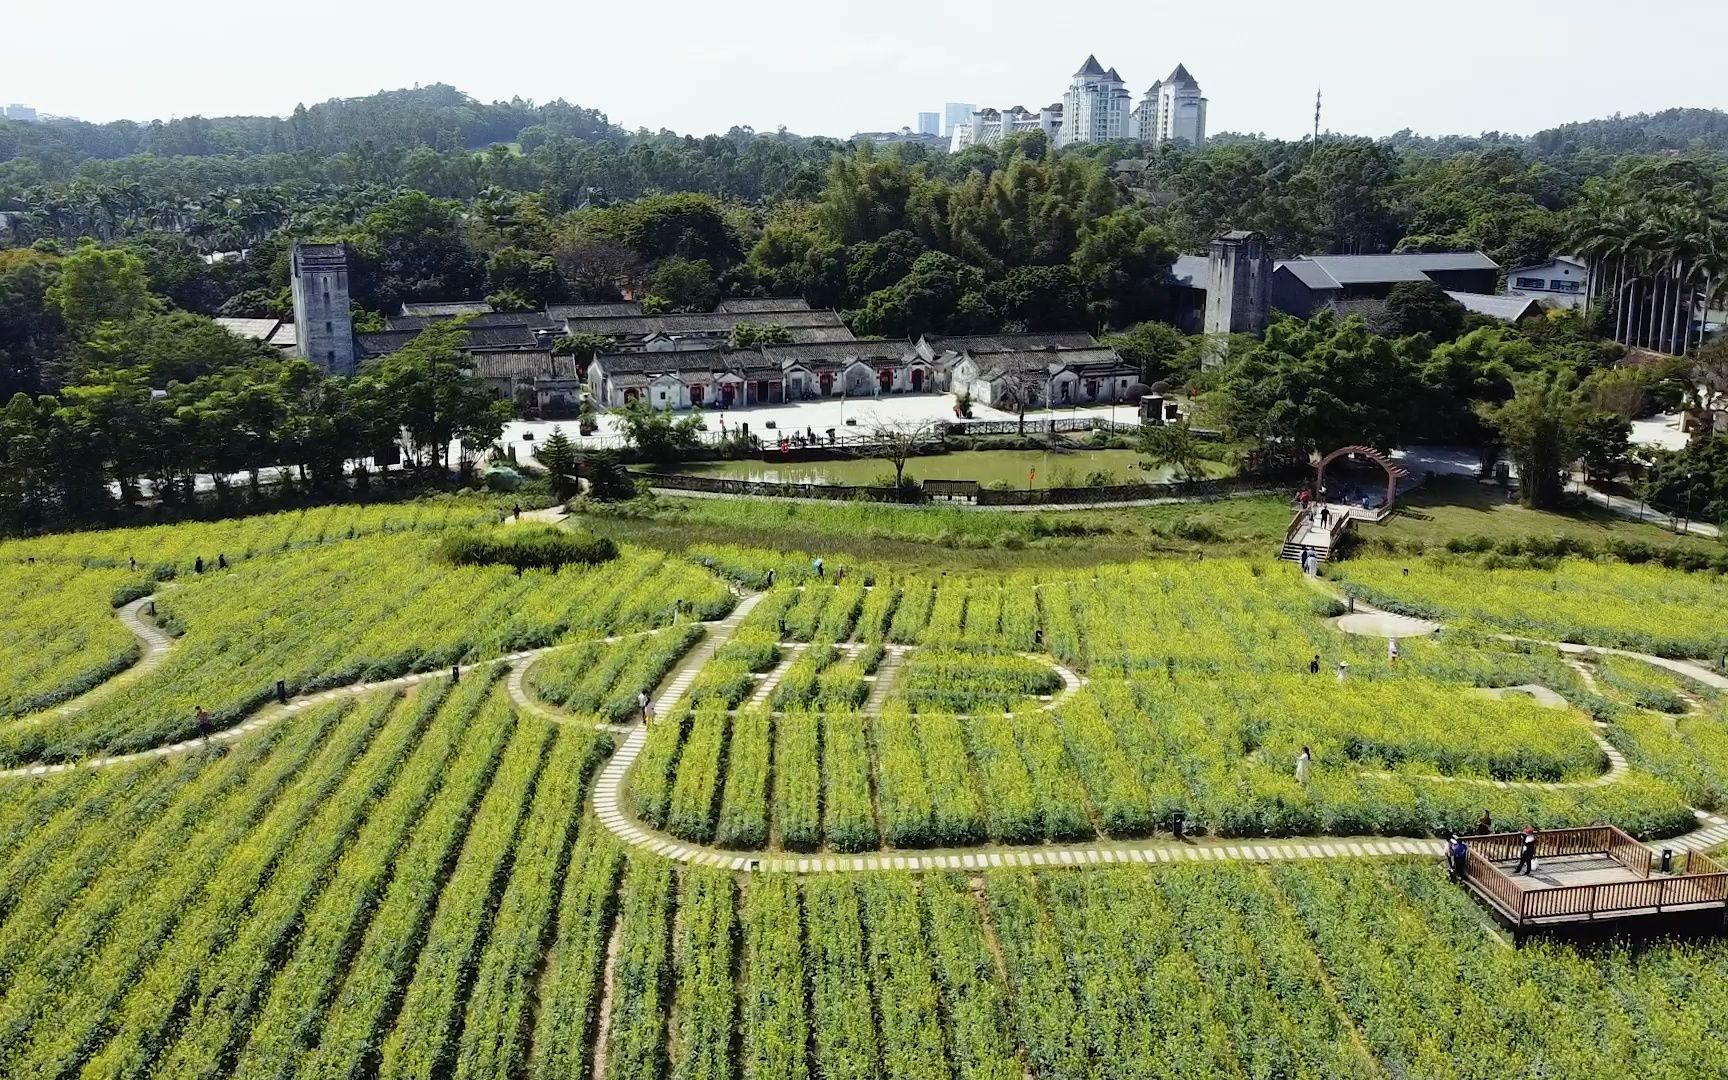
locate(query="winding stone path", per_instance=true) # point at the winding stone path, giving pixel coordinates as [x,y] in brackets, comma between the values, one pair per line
[606,798]
[153,646]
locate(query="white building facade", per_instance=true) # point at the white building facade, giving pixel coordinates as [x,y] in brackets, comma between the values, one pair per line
[1559,281]
[1096,107]
[987,127]
[1173,110]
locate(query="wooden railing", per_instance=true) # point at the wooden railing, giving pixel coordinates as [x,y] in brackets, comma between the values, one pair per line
[1493,884]
[1705,882]
[1697,862]
[1586,840]
[1655,894]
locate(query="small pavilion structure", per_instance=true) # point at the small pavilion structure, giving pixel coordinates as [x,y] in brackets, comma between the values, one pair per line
[1597,874]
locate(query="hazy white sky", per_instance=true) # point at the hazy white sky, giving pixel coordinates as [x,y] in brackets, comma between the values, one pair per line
[1460,66]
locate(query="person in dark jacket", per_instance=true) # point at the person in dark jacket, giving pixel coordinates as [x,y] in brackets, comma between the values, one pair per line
[1527,852]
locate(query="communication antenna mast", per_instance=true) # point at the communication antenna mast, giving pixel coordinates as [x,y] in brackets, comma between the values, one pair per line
[1316,116]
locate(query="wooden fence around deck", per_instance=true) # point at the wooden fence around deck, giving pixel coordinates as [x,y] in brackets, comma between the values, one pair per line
[1704,883]
[1586,840]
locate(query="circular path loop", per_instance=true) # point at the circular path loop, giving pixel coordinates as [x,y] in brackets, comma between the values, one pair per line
[605,799]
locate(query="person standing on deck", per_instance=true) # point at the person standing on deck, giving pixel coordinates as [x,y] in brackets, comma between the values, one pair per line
[1527,852]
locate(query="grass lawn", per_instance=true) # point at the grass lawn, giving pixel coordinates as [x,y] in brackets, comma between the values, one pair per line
[1450,507]
[949,537]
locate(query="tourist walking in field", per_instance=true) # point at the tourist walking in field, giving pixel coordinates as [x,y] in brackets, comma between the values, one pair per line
[1392,650]
[204,723]
[1314,665]
[642,705]
[816,565]
[1343,669]
[1527,852]
[1484,824]
[1303,761]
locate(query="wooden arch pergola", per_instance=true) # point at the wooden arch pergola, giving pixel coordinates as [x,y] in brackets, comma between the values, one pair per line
[1394,471]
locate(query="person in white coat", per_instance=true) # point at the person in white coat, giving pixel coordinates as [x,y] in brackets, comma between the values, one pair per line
[1303,762]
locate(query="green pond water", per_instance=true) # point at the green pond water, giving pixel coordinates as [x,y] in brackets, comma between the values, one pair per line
[1064,468]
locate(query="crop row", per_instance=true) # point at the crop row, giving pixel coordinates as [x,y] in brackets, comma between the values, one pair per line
[494,1021]
[127,907]
[421,1041]
[164,550]
[115,1019]
[58,633]
[641,976]
[383,608]
[569,996]
[798,683]
[403,765]
[600,678]
[965,682]
[1645,608]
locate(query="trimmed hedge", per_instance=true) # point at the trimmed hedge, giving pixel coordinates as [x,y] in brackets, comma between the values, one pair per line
[527,548]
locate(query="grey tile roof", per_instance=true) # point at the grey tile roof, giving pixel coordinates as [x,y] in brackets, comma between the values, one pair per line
[995,365]
[755,304]
[1401,266]
[676,361]
[602,309]
[257,329]
[1002,343]
[447,308]
[836,353]
[1311,274]
[517,363]
[1180,75]
[811,335]
[533,320]
[643,325]
[383,342]
[1504,308]
[1091,66]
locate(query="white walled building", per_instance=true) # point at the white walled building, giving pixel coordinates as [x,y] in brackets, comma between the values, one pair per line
[1096,107]
[987,126]
[1173,110]
[1560,281]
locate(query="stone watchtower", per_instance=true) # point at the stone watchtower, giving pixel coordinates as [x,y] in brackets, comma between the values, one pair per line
[323,321]
[1238,279]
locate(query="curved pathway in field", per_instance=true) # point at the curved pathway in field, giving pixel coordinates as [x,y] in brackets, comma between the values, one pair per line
[607,802]
[153,646]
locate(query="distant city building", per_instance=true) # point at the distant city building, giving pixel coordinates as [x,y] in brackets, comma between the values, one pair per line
[1559,281]
[956,114]
[904,135]
[929,123]
[1173,110]
[1096,107]
[986,127]
[19,112]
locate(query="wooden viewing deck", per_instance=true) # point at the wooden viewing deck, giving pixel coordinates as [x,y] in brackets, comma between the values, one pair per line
[1593,874]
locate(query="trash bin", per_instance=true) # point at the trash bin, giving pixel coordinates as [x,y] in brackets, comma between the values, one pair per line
[1667,860]
[1179,824]
[281,691]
